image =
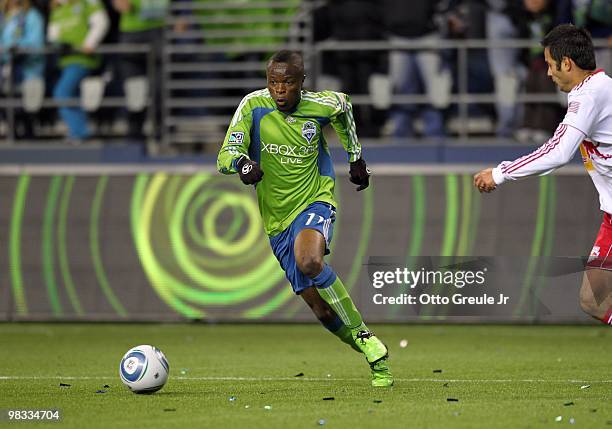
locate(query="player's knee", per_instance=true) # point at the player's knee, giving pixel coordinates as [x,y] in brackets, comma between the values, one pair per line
[310,265]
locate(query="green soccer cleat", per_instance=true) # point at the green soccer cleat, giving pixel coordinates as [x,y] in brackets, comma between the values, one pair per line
[381,376]
[373,349]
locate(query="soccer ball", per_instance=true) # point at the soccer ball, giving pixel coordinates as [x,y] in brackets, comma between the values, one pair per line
[144,369]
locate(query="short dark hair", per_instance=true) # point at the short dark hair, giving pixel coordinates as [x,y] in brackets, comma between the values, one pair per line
[288,57]
[567,40]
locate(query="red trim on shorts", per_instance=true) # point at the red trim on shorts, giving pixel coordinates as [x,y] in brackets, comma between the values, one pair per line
[600,256]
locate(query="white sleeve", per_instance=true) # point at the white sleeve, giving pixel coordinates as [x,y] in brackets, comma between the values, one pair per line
[581,112]
[98,26]
[558,151]
[53,32]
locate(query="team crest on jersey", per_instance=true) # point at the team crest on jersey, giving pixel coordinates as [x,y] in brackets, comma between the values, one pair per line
[573,107]
[309,130]
[236,137]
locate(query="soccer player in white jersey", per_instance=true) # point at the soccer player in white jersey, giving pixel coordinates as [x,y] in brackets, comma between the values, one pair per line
[587,126]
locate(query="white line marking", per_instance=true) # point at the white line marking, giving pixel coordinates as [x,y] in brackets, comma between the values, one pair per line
[416,380]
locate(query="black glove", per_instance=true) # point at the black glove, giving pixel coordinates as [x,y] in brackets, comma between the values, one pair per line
[249,171]
[360,174]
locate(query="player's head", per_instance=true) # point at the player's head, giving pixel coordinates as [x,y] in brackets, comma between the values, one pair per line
[285,74]
[569,53]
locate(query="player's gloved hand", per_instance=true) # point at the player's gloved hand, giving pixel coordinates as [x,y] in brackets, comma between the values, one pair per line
[360,174]
[249,171]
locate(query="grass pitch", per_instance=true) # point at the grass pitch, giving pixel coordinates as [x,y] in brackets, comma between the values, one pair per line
[501,376]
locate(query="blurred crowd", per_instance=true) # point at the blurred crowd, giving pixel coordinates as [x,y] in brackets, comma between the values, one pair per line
[77,28]
[505,72]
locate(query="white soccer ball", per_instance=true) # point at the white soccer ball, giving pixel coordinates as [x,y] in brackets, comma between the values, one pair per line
[144,369]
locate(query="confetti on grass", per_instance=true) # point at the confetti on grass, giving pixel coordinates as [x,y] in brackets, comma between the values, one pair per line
[437,371]
[64,385]
[452,400]
[329,398]
[301,374]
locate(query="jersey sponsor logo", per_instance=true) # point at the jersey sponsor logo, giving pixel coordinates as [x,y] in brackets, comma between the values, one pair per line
[309,131]
[286,150]
[290,120]
[592,149]
[573,107]
[236,137]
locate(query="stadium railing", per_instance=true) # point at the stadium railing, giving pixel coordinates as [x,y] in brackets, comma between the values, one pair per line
[207,69]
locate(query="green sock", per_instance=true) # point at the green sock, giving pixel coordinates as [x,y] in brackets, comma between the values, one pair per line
[345,335]
[340,301]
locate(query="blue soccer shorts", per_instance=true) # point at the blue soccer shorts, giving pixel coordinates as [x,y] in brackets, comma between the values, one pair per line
[318,216]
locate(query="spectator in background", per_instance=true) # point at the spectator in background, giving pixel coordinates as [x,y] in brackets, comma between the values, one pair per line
[466,19]
[142,22]
[596,16]
[357,20]
[415,72]
[503,20]
[21,26]
[78,26]
[540,119]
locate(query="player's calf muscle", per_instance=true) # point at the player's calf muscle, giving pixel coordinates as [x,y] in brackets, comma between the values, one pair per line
[596,292]
[319,307]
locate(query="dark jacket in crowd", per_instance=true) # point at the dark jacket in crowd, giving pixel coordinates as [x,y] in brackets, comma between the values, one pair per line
[409,19]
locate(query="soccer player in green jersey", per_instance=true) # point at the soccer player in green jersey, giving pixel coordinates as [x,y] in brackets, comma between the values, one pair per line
[275,142]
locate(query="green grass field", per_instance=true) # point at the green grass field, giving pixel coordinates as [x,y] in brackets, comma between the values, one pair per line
[502,376]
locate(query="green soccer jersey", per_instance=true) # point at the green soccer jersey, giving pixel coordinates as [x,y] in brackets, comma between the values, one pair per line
[144,15]
[291,150]
[72,19]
